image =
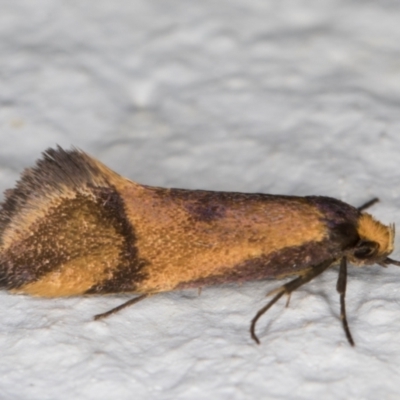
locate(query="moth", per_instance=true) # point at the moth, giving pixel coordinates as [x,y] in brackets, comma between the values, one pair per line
[73,227]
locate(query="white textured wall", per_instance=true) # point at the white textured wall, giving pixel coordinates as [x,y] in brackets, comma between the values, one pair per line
[292,97]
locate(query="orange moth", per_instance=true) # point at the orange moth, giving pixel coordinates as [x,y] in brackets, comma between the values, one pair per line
[71,227]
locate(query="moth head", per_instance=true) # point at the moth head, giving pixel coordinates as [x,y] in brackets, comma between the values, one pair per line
[375,243]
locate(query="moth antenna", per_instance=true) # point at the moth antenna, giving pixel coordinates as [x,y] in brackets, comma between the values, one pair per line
[388,260]
[368,204]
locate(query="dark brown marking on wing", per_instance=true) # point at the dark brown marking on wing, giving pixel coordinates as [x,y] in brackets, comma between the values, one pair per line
[205,211]
[335,212]
[85,226]
[215,197]
[286,262]
[129,271]
[340,218]
[70,230]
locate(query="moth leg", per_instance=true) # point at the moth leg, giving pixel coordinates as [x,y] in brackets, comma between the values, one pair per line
[341,288]
[288,299]
[122,306]
[368,204]
[288,288]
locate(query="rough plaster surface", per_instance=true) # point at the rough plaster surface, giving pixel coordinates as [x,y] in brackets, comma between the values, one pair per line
[293,97]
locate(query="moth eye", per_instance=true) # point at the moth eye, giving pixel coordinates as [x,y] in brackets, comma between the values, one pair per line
[365,249]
